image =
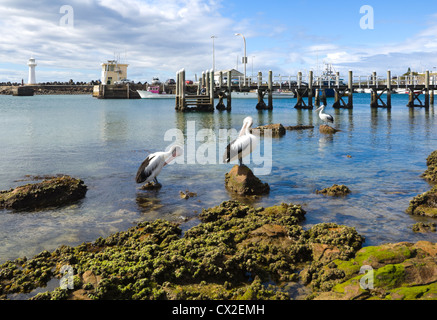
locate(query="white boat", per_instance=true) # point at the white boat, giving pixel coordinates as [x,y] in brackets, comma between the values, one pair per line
[154,93]
[254,95]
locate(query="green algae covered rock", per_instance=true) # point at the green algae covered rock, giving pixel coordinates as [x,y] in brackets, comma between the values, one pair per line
[431,172]
[230,255]
[54,192]
[335,191]
[424,204]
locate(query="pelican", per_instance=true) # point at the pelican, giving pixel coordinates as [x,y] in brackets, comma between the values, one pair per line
[243,145]
[324,116]
[152,166]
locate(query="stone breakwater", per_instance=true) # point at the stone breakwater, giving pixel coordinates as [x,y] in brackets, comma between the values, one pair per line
[232,254]
[52,89]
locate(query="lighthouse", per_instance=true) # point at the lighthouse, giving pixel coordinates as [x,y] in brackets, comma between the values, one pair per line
[32,64]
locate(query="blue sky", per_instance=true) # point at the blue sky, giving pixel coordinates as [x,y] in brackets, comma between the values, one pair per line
[158,37]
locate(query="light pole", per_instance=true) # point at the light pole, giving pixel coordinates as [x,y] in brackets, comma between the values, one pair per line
[213,53]
[244,58]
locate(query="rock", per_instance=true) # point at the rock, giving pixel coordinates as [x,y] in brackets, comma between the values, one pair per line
[327,129]
[187,194]
[151,186]
[298,127]
[431,173]
[277,129]
[242,181]
[424,227]
[335,191]
[424,204]
[402,271]
[54,192]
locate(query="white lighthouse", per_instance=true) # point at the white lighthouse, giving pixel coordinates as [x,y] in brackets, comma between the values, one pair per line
[32,64]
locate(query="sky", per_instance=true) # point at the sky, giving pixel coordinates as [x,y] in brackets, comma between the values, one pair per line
[71,38]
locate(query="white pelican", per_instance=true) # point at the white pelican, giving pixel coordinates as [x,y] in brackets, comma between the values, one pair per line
[324,116]
[152,166]
[243,145]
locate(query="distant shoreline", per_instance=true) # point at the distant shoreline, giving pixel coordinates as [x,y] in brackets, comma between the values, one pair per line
[52,89]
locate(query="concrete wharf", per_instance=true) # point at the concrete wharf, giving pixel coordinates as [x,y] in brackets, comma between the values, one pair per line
[310,90]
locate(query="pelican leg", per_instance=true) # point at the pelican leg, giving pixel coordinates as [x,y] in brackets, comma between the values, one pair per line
[240,161]
[156,180]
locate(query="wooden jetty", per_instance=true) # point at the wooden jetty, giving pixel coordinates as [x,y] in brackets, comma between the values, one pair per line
[309,90]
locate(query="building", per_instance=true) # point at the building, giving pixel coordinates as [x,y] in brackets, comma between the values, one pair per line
[32,64]
[235,75]
[113,71]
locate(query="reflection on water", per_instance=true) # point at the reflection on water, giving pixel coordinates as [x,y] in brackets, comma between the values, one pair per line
[379,154]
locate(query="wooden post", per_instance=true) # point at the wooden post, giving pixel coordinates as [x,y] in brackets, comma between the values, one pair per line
[127,91]
[211,88]
[177,89]
[270,85]
[229,104]
[310,89]
[207,86]
[351,90]
[324,101]
[220,79]
[389,89]
[260,79]
[431,94]
[182,100]
[427,89]
[317,98]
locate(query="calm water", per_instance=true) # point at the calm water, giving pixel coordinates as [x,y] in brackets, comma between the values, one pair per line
[103,142]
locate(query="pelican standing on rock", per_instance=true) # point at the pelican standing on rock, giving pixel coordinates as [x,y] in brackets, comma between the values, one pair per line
[152,166]
[243,145]
[324,116]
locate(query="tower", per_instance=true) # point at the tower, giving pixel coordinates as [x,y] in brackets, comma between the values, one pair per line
[32,64]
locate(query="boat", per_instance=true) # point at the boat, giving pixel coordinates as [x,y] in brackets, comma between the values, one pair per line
[254,95]
[155,93]
[328,79]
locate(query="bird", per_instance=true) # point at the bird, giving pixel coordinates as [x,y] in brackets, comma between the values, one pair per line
[324,116]
[243,145]
[153,164]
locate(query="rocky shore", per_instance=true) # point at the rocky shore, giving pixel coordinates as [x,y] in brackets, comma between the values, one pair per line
[237,252]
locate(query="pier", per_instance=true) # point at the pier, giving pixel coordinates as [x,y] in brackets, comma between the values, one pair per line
[308,89]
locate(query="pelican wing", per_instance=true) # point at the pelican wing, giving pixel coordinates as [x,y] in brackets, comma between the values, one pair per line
[237,148]
[146,169]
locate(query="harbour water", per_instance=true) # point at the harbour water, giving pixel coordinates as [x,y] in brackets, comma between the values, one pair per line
[379,154]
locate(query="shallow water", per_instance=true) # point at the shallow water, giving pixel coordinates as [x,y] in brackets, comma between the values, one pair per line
[103,142]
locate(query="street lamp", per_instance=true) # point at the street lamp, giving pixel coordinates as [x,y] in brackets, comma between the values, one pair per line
[213,53]
[244,58]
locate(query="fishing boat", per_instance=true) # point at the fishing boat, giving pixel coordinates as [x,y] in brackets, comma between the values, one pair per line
[329,79]
[155,93]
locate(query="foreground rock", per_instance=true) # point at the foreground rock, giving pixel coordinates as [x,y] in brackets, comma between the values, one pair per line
[242,181]
[431,173]
[230,255]
[402,271]
[58,191]
[424,204]
[335,191]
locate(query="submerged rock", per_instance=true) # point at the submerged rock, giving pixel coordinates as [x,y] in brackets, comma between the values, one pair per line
[242,181]
[325,129]
[424,227]
[277,129]
[58,191]
[298,127]
[335,191]
[424,204]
